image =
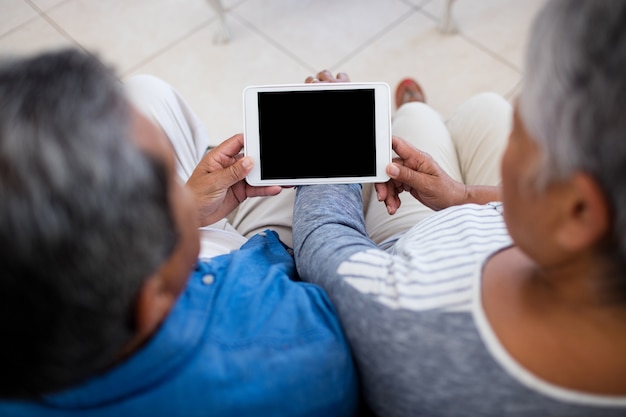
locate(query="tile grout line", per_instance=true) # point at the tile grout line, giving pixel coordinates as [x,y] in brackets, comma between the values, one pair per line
[26,22]
[474,42]
[169,46]
[374,37]
[510,94]
[151,57]
[277,45]
[420,9]
[54,24]
[67,36]
[231,14]
[491,53]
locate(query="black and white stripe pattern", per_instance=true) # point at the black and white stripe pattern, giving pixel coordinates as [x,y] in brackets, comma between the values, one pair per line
[433,265]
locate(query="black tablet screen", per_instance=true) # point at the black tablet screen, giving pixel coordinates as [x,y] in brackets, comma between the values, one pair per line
[317,134]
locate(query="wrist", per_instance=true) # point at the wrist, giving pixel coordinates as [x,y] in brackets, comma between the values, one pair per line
[481,194]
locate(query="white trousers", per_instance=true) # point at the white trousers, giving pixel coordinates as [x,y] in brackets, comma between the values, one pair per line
[468,146]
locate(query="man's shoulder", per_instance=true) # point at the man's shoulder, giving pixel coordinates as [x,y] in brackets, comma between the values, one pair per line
[259,285]
[273,335]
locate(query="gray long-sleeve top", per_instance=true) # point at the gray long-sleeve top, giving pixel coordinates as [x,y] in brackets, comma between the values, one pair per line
[413,313]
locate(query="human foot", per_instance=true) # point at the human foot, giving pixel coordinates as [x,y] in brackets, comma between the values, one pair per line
[409,90]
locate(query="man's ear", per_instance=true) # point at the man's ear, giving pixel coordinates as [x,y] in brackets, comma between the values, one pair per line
[154,303]
[587,214]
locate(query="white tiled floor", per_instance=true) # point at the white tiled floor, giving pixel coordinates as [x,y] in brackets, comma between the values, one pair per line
[283,41]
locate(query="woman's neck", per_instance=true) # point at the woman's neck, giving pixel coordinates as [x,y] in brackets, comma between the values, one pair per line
[556,322]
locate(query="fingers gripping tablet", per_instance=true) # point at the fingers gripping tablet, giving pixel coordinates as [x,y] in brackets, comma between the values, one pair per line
[317,133]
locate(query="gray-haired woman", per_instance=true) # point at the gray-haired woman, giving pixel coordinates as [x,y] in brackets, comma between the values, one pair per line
[516,307]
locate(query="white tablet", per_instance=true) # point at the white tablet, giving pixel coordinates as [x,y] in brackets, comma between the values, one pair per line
[317,133]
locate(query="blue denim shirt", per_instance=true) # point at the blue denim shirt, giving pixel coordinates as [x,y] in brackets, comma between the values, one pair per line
[244,339]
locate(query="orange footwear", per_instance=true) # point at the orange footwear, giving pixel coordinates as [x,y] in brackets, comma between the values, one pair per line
[409,90]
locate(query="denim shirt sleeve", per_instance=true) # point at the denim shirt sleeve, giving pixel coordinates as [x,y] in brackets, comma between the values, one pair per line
[328,228]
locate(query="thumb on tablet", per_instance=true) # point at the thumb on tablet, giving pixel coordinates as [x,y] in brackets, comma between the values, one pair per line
[235,172]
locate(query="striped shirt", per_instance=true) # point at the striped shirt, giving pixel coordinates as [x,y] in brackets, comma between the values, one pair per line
[433,264]
[413,312]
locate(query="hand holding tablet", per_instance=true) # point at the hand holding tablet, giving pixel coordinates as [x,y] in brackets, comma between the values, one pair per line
[317,133]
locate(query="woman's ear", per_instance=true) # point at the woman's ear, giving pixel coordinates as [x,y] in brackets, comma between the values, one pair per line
[587,214]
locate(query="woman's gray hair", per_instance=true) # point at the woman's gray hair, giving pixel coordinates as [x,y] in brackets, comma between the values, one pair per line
[84,220]
[573,102]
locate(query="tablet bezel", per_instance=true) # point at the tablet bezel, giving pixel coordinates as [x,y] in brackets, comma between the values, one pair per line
[382,115]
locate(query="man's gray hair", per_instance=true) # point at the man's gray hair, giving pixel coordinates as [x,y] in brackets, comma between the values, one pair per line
[573,101]
[84,220]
